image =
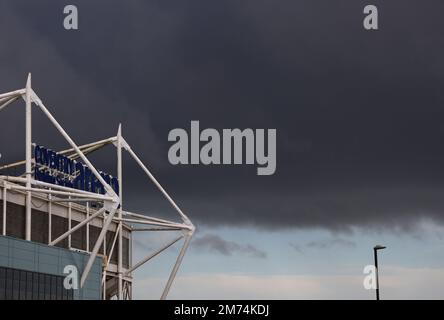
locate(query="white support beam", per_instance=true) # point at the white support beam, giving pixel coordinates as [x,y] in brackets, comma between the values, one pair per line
[131,252]
[75,156]
[120,245]
[107,187]
[174,225]
[49,218]
[4,210]
[87,227]
[176,266]
[6,102]
[96,249]
[86,148]
[100,143]
[28,146]
[62,193]
[152,255]
[157,184]
[110,255]
[142,216]
[13,94]
[155,229]
[55,200]
[54,186]
[77,227]
[69,222]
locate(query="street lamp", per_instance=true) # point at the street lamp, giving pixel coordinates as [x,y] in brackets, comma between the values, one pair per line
[375,251]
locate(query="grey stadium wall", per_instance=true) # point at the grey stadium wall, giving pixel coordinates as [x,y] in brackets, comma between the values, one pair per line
[35,271]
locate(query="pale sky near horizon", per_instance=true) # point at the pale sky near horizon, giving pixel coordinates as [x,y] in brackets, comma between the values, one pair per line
[296,264]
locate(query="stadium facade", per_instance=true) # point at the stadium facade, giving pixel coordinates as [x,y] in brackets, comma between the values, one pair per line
[61,211]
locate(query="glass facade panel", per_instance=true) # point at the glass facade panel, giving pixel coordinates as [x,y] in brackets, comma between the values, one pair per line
[2,283]
[29,284]
[26,285]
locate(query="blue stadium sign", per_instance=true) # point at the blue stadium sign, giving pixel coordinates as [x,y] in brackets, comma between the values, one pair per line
[55,168]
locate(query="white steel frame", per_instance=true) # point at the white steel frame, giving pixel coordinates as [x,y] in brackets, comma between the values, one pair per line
[112,209]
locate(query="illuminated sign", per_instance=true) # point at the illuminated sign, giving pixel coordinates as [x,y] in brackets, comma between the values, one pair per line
[55,168]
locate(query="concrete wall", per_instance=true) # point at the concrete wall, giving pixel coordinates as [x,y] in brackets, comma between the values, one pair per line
[31,256]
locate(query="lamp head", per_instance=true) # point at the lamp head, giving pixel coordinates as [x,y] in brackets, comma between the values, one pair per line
[379,247]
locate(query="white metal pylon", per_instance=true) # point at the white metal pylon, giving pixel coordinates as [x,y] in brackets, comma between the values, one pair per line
[186,226]
[112,210]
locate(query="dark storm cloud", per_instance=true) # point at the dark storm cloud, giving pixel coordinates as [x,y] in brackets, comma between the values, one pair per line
[328,243]
[216,244]
[323,244]
[358,114]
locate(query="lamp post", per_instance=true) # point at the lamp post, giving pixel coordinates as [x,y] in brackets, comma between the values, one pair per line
[375,252]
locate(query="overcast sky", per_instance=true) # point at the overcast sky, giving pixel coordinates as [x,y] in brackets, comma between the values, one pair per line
[359,114]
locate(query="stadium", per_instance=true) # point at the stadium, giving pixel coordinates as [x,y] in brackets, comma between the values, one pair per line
[59,211]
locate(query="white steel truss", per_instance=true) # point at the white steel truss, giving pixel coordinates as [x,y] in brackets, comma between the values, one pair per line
[112,204]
